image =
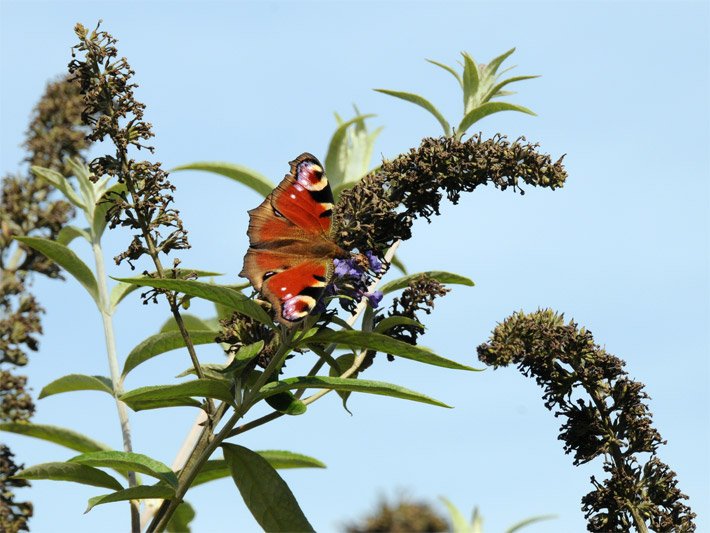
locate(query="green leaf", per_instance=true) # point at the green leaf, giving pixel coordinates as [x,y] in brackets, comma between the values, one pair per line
[279,459]
[76,382]
[242,357]
[447,278]
[528,521]
[496,89]
[343,363]
[128,462]
[141,492]
[337,155]
[68,233]
[60,183]
[245,176]
[103,204]
[398,264]
[203,388]
[495,63]
[459,524]
[121,290]
[162,343]
[82,173]
[66,259]
[287,403]
[266,495]
[391,321]
[486,109]
[192,322]
[347,384]
[384,344]
[180,521]
[471,81]
[448,69]
[86,475]
[214,293]
[422,102]
[58,435]
[179,401]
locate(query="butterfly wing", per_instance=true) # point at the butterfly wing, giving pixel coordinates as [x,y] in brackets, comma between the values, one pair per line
[290,251]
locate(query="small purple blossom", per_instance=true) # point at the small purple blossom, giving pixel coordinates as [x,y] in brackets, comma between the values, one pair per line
[374,298]
[347,268]
[375,263]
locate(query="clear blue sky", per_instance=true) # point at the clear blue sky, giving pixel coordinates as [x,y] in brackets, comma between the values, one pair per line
[623,248]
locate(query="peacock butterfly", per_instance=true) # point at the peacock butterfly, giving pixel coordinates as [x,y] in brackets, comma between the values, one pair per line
[291,251]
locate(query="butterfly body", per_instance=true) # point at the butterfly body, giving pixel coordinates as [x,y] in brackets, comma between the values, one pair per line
[291,252]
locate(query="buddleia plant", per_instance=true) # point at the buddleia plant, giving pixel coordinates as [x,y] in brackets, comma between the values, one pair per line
[481,85]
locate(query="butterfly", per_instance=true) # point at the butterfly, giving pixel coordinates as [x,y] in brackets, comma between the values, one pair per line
[291,251]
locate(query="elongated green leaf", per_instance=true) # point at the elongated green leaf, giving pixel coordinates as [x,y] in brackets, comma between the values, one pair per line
[81,172]
[267,496]
[203,388]
[348,384]
[141,492]
[68,233]
[488,109]
[180,521]
[75,382]
[214,293]
[422,102]
[192,322]
[392,321]
[180,401]
[496,62]
[399,265]
[121,290]
[162,343]
[128,462]
[471,80]
[58,435]
[384,344]
[343,363]
[245,176]
[458,521]
[447,278]
[66,259]
[496,89]
[528,521]
[279,459]
[59,182]
[336,157]
[448,69]
[103,204]
[86,475]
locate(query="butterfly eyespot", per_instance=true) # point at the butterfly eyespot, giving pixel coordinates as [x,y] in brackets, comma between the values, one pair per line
[277,212]
[268,274]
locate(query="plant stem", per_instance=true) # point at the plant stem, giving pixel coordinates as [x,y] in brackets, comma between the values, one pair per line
[116,378]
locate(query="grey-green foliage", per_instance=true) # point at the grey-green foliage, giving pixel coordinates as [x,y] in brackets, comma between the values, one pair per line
[480,85]
[459,524]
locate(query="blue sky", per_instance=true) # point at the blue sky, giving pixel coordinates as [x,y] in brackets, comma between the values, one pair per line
[622,249]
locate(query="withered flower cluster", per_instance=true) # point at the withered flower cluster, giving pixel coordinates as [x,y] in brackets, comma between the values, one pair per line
[418,296]
[111,110]
[382,207]
[27,207]
[403,516]
[605,415]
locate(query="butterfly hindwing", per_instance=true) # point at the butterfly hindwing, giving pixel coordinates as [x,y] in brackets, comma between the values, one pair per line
[290,253]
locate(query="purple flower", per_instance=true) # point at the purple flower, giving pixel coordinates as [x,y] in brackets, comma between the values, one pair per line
[347,268]
[374,298]
[375,263]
